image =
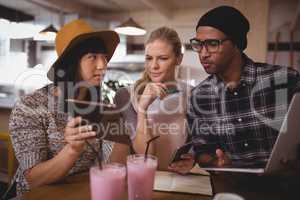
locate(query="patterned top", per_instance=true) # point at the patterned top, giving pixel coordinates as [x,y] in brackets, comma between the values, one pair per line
[245,121]
[37,131]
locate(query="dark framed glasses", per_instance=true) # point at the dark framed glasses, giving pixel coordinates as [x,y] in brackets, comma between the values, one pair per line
[211,45]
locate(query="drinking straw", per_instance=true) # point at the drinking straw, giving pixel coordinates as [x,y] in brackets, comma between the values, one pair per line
[131,149]
[148,144]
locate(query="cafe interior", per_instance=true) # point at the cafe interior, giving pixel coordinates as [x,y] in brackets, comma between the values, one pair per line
[27,51]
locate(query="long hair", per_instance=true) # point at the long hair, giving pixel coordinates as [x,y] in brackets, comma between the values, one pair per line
[167,35]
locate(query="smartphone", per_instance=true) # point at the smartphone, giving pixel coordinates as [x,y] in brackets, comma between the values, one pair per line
[172,90]
[89,111]
[106,119]
[180,151]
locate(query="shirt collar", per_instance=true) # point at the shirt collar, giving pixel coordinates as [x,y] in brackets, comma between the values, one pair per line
[249,71]
[248,75]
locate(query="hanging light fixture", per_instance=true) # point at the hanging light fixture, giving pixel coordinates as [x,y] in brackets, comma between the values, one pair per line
[130,27]
[49,28]
[49,33]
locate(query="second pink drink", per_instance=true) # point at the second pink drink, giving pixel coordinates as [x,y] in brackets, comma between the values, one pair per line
[141,175]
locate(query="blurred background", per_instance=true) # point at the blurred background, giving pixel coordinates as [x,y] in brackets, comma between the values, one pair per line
[27,49]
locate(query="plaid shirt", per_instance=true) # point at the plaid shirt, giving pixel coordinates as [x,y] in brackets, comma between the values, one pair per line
[244,121]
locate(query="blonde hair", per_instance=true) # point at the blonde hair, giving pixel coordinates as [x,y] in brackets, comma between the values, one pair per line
[167,35]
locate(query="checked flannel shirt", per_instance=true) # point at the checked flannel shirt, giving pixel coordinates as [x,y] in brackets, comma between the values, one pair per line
[244,121]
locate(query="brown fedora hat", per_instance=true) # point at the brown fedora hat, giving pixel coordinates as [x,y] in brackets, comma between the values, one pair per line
[76,32]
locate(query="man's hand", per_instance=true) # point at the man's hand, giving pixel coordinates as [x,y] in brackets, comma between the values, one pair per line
[183,166]
[220,159]
[291,168]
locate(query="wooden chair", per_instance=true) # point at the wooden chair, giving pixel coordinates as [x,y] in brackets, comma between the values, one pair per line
[11,162]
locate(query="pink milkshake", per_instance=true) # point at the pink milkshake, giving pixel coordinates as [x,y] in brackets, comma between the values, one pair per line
[141,175]
[108,183]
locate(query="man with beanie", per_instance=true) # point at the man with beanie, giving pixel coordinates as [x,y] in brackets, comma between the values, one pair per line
[236,113]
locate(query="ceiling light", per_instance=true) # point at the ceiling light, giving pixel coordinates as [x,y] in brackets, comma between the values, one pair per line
[49,28]
[48,34]
[130,27]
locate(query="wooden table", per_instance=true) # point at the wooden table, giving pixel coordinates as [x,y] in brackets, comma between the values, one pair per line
[77,188]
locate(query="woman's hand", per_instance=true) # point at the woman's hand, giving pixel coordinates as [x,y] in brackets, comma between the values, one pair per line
[75,135]
[151,91]
[183,166]
[58,167]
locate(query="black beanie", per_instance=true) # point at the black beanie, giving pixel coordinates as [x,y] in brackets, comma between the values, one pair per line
[230,21]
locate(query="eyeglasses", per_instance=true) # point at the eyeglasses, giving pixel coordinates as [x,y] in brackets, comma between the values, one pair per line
[211,45]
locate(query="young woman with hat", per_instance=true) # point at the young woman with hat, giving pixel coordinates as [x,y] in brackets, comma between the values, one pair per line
[48,143]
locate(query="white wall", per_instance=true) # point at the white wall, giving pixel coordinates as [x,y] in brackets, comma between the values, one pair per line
[281,15]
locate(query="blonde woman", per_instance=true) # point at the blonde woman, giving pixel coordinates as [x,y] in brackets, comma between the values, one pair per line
[156,104]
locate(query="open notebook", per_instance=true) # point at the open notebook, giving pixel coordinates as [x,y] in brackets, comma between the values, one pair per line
[191,183]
